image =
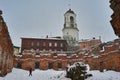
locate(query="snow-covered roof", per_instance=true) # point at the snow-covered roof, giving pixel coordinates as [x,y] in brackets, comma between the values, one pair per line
[49,38]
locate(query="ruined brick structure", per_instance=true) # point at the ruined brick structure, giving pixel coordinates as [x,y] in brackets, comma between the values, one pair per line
[104,56]
[115,22]
[87,44]
[45,60]
[99,57]
[6,49]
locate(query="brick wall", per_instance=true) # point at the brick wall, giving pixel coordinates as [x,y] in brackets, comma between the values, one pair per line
[43,44]
[108,59]
[86,44]
[6,49]
[115,22]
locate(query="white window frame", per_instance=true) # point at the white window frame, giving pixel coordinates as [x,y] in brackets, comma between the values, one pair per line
[38,44]
[55,44]
[32,44]
[50,44]
[61,44]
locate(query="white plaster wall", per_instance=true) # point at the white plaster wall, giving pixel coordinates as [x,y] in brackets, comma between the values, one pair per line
[71,32]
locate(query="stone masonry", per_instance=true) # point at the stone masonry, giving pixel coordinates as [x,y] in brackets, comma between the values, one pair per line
[6,49]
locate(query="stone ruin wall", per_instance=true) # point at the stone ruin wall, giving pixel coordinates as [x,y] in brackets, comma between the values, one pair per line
[115,22]
[96,58]
[6,48]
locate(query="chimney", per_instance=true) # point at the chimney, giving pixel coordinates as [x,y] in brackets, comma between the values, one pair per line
[47,36]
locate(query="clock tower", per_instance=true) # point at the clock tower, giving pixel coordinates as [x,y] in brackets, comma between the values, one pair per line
[70,30]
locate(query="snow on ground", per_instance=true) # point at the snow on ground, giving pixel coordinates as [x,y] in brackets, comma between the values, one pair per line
[18,74]
[106,75]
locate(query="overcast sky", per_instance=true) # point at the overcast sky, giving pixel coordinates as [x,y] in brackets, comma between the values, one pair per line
[38,18]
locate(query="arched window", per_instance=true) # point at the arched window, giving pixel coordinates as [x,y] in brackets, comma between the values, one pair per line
[71,19]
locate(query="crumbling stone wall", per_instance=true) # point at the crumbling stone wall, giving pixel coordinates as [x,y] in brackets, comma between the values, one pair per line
[6,49]
[115,22]
[97,58]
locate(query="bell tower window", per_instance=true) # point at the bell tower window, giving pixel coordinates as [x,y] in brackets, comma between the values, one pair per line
[71,19]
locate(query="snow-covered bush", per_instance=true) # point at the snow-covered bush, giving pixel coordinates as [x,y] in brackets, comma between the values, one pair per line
[77,71]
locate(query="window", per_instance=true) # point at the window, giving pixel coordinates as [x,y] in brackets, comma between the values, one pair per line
[55,44]
[44,44]
[59,65]
[38,44]
[50,65]
[50,44]
[32,44]
[19,65]
[37,64]
[71,19]
[61,45]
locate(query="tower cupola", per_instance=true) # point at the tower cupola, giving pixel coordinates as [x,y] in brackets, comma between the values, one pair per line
[70,30]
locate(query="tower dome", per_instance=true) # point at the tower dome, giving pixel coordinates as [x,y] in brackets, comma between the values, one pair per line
[70,11]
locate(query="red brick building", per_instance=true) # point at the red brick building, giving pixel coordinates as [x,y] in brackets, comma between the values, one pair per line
[48,44]
[6,49]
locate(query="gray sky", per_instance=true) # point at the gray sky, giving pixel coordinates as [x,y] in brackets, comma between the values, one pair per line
[38,18]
